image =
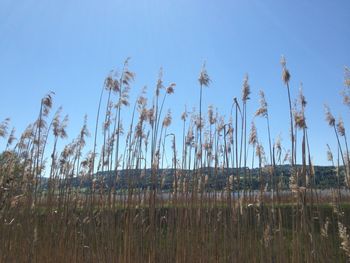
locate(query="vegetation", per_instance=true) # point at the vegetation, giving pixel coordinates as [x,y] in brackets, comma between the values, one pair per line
[221,199]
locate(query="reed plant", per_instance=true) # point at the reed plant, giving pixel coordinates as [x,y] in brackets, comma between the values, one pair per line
[144,193]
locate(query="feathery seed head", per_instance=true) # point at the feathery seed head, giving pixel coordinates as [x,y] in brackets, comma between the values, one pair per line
[56,121]
[199,122]
[220,124]
[299,119]
[84,132]
[143,114]
[253,136]
[245,89]
[159,82]
[301,98]
[278,144]
[124,99]
[190,136]
[346,92]
[184,115]
[329,153]
[167,119]
[150,115]
[285,76]
[170,89]
[347,77]
[109,81]
[340,127]
[344,238]
[260,152]
[46,103]
[127,75]
[47,100]
[142,101]
[211,117]
[262,111]
[285,72]
[329,116]
[204,79]
[11,137]
[4,127]
[346,98]
[138,130]
[287,157]
[62,130]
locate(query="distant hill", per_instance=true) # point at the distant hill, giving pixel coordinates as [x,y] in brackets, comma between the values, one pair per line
[325,177]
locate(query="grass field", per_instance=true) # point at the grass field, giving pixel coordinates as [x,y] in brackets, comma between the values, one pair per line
[190,222]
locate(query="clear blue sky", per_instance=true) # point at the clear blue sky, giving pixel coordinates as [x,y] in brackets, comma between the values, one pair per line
[70,46]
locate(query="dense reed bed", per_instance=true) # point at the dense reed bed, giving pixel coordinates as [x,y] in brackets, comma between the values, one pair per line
[122,202]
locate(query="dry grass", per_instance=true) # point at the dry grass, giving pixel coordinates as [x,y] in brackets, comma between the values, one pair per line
[115,219]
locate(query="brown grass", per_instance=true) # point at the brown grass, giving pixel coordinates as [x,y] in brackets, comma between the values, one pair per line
[132,215]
